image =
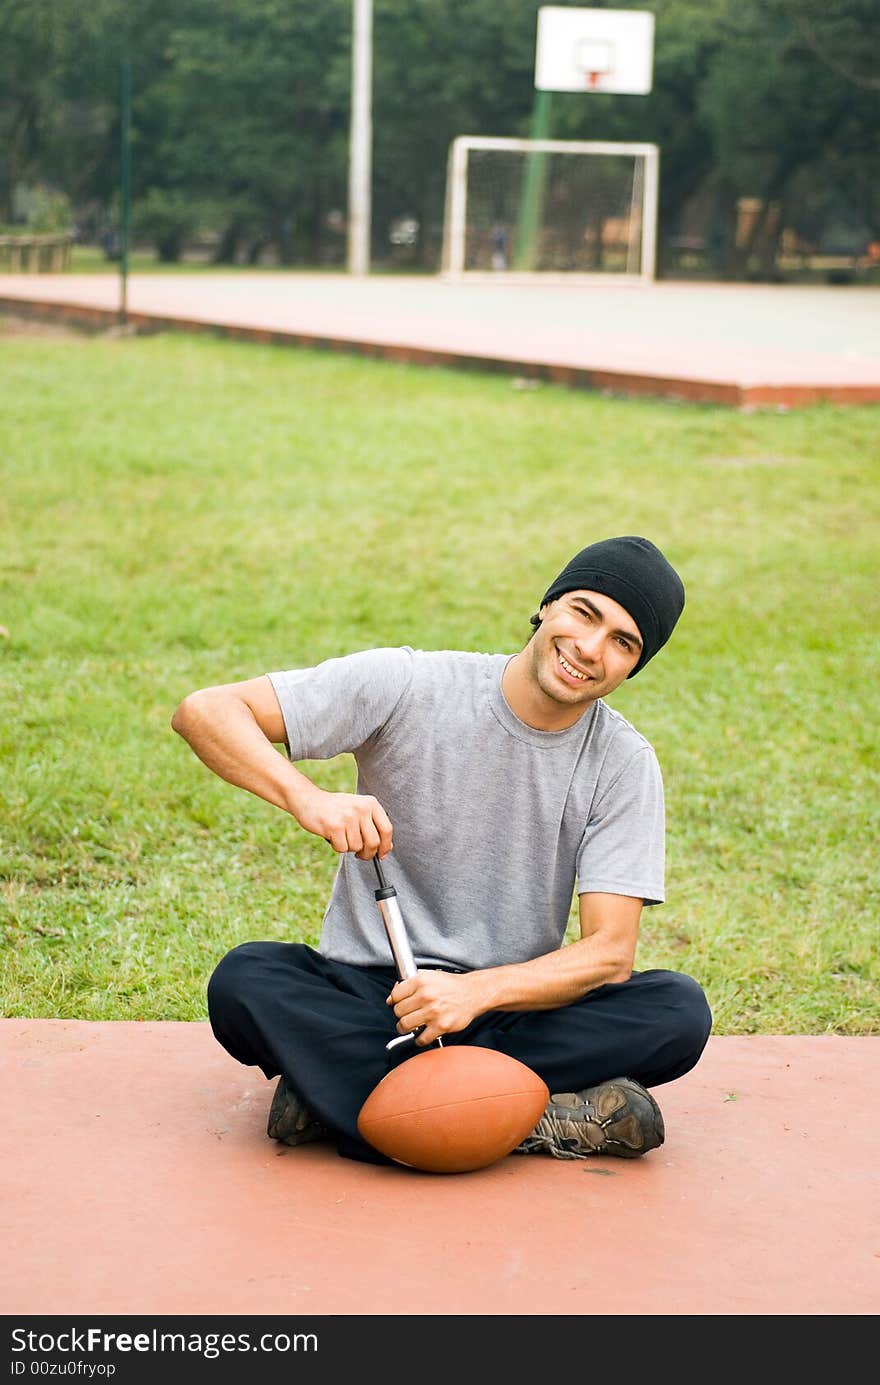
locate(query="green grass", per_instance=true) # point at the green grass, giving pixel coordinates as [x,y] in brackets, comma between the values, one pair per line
[90,259]
[178,511]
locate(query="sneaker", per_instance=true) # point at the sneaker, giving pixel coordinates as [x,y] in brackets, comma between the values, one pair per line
[617,1117]
[290,1120]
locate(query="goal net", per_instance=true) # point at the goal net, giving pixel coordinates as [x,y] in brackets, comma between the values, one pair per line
[551,207]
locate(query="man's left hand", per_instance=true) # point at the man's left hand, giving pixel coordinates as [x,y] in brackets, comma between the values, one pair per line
[437,1002]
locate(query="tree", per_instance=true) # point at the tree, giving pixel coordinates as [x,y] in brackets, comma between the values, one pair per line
[442,69]
[784,120]
[241,114]
[250,119]
[35,50]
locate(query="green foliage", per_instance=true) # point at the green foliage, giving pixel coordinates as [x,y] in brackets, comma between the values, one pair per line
[178,512]
[46,210]
[168,219]
[784,116]
[250,110]
[244,108]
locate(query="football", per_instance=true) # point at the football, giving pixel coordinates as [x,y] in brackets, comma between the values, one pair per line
[453,1109]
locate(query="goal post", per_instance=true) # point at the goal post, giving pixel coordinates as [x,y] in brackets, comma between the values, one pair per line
[528,207]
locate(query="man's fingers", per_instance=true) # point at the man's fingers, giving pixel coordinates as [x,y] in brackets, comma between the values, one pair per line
[353,838]
[386,832]
[409,1023]
[406,1015]
[361,836]
[377,832]
[352,822]
[400,990]
[369,840]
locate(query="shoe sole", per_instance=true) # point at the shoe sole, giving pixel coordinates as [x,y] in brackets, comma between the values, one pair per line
[290,1122]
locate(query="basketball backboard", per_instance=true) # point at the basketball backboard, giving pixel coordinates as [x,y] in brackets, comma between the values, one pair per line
[594,50]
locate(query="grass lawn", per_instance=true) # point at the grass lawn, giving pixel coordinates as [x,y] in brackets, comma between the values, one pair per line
[179,511]
[90,259]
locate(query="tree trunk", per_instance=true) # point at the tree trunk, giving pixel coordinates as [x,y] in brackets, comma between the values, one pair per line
[227,250]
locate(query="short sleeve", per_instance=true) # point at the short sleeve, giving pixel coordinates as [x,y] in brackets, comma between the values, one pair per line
[623,847]
[336,706]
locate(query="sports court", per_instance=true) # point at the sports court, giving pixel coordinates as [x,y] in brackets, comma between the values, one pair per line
[742,345]
[138,1179]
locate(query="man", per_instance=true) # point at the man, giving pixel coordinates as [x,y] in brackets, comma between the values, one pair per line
[491,786]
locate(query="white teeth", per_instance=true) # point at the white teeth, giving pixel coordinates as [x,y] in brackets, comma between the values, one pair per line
[573,671]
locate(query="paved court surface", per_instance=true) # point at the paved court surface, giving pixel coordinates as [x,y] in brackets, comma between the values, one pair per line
[741,345]
[137,1179]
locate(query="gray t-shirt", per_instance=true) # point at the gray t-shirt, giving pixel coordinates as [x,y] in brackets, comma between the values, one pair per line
[494,822]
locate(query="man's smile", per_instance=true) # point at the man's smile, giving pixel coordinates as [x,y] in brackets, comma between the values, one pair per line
[571,670]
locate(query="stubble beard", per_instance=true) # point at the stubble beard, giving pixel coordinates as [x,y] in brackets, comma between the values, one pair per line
[543,668]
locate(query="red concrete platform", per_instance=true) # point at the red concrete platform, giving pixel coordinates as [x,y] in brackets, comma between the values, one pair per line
[744,345]
[137,1178]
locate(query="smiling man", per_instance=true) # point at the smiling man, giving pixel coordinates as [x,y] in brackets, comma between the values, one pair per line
[494,787]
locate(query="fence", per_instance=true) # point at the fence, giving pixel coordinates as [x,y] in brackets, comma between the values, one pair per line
[48,254]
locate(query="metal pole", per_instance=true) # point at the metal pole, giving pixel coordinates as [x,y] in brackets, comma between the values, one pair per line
[124,186]
[531,205]
[456,218]
[649,214]
[359,171]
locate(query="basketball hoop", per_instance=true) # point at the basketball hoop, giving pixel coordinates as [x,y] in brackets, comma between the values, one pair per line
[595,59]
[592,50]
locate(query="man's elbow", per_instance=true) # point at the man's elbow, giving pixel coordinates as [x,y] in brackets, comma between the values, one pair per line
[619,966]
[620,971]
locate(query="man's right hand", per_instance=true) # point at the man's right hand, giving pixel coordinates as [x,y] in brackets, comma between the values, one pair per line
[348,821]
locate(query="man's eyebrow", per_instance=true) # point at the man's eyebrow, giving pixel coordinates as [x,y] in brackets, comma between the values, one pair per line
[594,610]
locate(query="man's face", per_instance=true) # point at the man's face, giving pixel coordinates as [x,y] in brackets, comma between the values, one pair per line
[584,648]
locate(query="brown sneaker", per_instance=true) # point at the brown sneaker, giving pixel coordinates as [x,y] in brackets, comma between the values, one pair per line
[617,1117]
[290,1120]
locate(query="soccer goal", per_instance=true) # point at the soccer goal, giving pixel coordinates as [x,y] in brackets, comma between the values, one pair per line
[550,207]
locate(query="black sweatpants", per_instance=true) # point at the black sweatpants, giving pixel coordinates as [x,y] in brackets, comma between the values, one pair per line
[324,1025]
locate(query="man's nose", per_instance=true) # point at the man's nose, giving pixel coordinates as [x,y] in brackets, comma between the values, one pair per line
[589,645]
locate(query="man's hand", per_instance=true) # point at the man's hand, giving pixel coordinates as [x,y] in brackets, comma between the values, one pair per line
[437,1002]
[348,821]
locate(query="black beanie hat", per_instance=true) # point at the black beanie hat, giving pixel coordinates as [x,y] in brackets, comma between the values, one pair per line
[633,572]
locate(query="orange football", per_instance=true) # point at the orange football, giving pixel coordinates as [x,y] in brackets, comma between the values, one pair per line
[453,1109]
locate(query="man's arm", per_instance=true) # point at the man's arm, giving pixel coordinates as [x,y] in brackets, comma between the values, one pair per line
[234,728]
[444,1003]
